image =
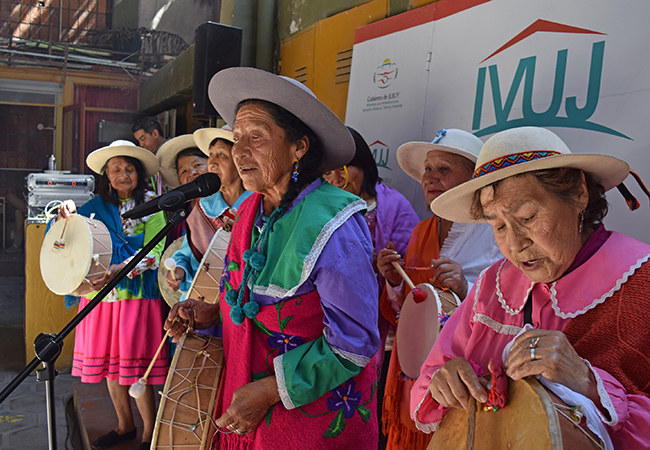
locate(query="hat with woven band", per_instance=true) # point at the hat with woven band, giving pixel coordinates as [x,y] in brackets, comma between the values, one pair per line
[411,156]
[520,150]
[229,87]
[98,159]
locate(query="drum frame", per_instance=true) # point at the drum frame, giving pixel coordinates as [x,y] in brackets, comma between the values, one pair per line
[188,425]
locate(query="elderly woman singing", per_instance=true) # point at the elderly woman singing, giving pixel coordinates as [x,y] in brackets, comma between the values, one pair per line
[299,295]
[571,295]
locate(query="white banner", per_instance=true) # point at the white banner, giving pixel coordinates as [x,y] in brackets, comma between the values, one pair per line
[578,68]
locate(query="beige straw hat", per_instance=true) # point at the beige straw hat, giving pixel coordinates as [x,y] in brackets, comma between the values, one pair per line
[231,86]
[204,137]
[167,154]
[98,159]
[519,150]
[411,155]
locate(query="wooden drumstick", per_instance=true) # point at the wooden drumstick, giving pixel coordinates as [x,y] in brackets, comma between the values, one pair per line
[137,389]
[59,244]
[170,264]
[418,295]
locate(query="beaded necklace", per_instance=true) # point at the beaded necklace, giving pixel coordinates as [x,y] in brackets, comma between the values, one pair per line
[254,261]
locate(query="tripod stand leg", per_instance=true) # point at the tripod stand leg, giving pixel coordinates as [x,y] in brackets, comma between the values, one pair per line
[47,374]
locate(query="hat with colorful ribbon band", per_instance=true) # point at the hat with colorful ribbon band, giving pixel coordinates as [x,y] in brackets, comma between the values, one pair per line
[411,156]
[519,150]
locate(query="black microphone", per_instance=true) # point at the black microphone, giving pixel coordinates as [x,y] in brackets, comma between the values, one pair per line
[203,186]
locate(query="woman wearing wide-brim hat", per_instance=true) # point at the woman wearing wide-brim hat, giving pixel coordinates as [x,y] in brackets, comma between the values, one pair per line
[299,297]
[118,339]
[570,295]
[450,255]
[209,213]
[181,161]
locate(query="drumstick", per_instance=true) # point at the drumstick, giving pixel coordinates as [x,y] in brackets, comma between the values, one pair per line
[418,295]
[59,244]
[137,389]
[170,264]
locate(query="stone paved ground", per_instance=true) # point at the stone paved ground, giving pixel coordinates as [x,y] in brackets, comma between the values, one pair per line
[23,416]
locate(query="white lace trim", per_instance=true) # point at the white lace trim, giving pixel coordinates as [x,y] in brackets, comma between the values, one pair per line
[425,427]
[605,399]
[510,330]
[282,384]
[273,290]
[512,312]
[478,287]
[357,360]
[456,239]
[598,301]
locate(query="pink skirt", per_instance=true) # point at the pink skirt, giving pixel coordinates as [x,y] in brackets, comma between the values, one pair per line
[117,340]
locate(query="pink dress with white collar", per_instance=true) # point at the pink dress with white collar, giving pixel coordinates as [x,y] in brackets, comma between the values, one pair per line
[492,314]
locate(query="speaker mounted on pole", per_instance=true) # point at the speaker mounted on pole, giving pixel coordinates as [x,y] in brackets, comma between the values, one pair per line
[216,47]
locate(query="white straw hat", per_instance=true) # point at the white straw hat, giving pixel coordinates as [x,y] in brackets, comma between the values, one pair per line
[231,86]
[519,150]
[167,154]
[98,159]
[204,137]
[411,155]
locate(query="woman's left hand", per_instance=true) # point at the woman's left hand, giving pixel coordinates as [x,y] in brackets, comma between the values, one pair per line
[249,405]
[554,358]
[113,270]
[450,275]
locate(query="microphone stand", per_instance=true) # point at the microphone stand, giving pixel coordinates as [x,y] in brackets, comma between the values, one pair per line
[48,346]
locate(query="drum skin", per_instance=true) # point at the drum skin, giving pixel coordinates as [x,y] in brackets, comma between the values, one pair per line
[529,421]
[170,296]
[207,280]
[417,330]
[85,257]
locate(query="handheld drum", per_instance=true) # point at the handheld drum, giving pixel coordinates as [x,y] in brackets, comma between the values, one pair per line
[417,330]
[170,296]
[184,416]
[75,252]
[205,285]
[533,419]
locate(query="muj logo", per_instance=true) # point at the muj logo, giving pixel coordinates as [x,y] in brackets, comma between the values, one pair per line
[385,74]
[576,117]
[380,153]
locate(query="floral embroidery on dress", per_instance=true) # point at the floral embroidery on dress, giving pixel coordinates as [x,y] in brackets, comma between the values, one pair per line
[345,399]
[283,342]
[230,266]
[128,227]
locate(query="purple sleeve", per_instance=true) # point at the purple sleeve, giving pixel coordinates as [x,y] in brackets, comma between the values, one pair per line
[396,219]
[346,283]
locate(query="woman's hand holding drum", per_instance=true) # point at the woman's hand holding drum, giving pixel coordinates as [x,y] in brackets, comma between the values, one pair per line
[555,359]
[113,270]
[452,385]
[250,403]
[193,313]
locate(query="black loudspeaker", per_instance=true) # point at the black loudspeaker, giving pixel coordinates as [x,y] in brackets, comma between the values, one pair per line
[216,47]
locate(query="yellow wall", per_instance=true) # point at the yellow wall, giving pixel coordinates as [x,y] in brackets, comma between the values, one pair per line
[321,56]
